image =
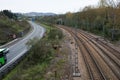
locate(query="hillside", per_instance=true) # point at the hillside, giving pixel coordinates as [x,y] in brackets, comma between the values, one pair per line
[10,27]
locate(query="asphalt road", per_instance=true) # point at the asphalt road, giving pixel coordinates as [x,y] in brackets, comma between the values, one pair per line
[18,49]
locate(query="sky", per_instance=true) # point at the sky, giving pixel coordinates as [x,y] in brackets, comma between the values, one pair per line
[54,6]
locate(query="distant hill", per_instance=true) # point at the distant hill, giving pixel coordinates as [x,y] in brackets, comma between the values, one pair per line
[39,14]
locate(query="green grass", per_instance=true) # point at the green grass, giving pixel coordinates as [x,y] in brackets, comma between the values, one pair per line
[35,72]
[47,26]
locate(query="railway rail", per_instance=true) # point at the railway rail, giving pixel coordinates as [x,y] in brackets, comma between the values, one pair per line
[112,61]
[90,61]
[108,47]
[92,49]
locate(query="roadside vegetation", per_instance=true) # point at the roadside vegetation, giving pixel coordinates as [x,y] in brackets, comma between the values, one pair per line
[45,61]
[11,27]
[103,20]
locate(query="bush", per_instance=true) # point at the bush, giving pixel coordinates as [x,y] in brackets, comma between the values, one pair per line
[55,34]
[40,52]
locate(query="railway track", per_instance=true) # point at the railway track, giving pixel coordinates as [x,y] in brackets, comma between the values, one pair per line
[112,61]
[93,68]
[88,46]
[96,71]
[116,53]
[105,45]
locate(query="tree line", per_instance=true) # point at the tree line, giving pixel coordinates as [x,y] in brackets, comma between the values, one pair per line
[103,19]
[9,14]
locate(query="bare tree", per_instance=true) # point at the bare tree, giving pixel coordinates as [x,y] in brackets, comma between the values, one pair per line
[112,3]
[103,3]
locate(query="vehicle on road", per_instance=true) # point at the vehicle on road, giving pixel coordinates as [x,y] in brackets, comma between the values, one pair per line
[3,58]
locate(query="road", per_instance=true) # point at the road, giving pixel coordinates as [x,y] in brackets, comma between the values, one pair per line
[18,49]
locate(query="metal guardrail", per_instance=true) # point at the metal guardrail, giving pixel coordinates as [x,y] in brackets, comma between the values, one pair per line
[10,65]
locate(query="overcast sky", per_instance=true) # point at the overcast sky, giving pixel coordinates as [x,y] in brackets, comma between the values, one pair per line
[55,6]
